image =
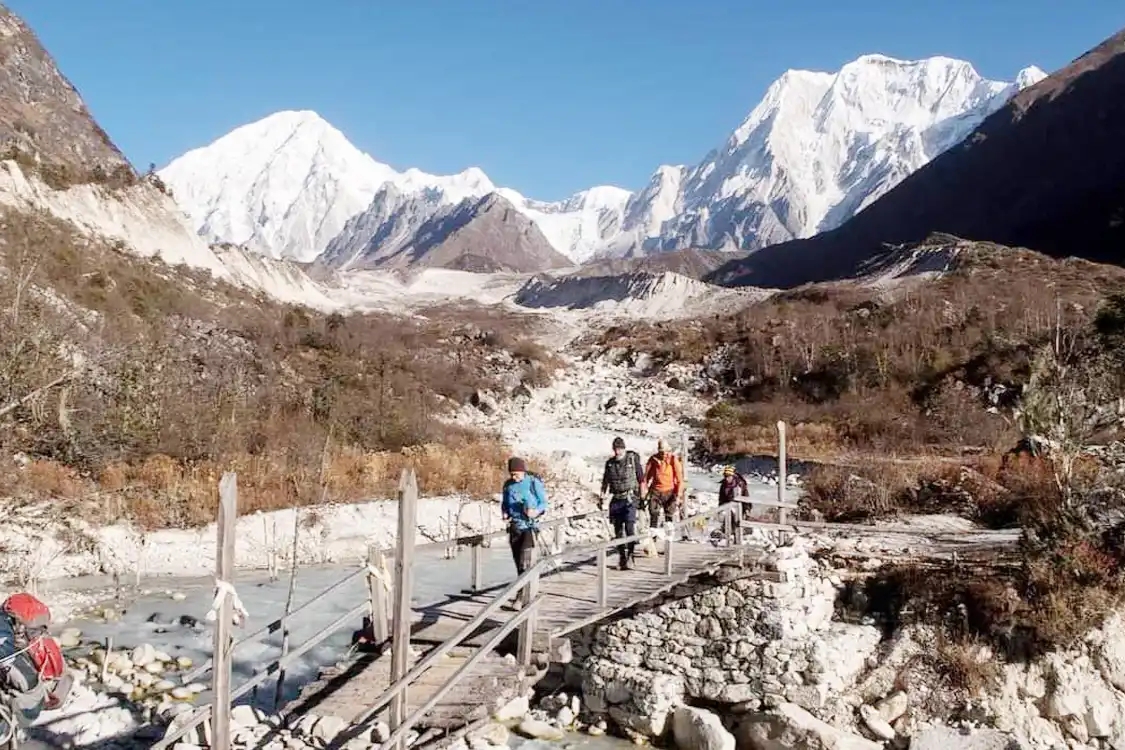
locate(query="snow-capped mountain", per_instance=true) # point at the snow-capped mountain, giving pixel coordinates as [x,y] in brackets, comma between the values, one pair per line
[286,186]
[817,149]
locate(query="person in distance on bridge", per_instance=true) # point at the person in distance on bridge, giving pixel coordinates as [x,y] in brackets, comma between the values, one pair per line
[523,502]
[731,482]
[664,476]
[623,480]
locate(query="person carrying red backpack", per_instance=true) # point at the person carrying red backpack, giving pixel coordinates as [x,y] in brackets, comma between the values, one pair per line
[33,674]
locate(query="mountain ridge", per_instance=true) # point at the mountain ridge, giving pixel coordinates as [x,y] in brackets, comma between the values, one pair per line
[1045,172]
[868,125]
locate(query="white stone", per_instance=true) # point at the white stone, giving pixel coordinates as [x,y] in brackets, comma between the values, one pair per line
[947,738]
[181,693]
[244,716]
[143,654]
[540,730]
[699,729]
[565,716]
[154,667]
[876,723]
[178,596]
[893,706]
[183,662]
[790,727]
[328,727]
[516,708]
[70,638]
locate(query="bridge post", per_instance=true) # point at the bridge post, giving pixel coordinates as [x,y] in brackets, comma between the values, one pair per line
[668,542]
[527,627]
[377,592]
[782,468]
[404,585]
[477,555]
[603,579]
[224,572]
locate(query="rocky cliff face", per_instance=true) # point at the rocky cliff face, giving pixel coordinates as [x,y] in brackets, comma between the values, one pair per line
[43,121]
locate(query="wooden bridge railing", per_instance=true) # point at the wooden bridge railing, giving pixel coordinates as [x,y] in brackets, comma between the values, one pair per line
[525,586]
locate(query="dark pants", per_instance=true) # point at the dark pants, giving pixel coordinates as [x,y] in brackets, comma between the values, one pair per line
[623,516]
[522,542]
[662,506]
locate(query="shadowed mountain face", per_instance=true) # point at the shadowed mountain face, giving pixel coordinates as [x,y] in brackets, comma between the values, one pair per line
[44,123]
[478,234]
[1047,172]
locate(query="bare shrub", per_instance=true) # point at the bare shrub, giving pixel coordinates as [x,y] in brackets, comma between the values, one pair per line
[170,377]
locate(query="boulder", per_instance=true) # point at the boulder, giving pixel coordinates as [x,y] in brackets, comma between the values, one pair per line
[516,708]
[790,727]
[699,729]
[948,738]
[328,727]
[540,730]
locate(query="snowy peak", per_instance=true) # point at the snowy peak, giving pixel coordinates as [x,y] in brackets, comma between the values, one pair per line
[818,148]
[283,186]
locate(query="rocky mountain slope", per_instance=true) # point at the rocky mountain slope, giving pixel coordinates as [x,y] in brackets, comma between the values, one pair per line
[637,295]
[55,159]
[484,235]
[292,186]
[43,121]
[1047,171]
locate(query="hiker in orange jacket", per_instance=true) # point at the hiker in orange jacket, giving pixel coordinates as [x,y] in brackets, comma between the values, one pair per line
[664,477]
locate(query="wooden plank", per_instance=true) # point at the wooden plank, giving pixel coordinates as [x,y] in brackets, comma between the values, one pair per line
[404,564]
[224,576]
[782,468]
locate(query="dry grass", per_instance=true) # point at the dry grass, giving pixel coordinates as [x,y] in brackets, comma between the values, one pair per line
[186,376]
[161,492]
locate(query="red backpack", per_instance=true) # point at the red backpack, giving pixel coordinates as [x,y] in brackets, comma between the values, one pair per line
[30,618]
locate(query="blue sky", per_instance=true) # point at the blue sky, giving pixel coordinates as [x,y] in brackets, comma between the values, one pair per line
[547,96]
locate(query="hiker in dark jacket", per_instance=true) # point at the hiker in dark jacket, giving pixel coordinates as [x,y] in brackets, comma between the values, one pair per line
[730,483]
[523,501]
[623,480]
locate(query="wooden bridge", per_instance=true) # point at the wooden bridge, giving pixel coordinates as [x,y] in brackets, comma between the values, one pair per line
[473,651]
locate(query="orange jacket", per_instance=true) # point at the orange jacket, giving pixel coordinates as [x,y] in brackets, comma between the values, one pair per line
[666,475]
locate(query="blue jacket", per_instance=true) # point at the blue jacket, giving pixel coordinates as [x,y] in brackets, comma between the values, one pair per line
[519,497]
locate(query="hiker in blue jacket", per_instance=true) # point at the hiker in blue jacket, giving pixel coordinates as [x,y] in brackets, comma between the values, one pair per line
[524,500]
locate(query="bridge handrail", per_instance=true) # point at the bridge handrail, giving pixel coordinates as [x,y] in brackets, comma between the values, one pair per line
[521,618]
[449,643]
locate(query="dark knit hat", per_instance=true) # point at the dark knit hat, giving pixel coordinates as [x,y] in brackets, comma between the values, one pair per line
[619,442]
[516,464]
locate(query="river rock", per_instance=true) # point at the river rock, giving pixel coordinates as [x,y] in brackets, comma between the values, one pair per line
[183,662]
[565,716]
[178,596]
[540,730]
[947,738]
[516,708]
[699,729]
[181,693]
[876,723]
[70,638]
[790,727]
[493,733]
[328,727]
[893,706]
[244,716]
